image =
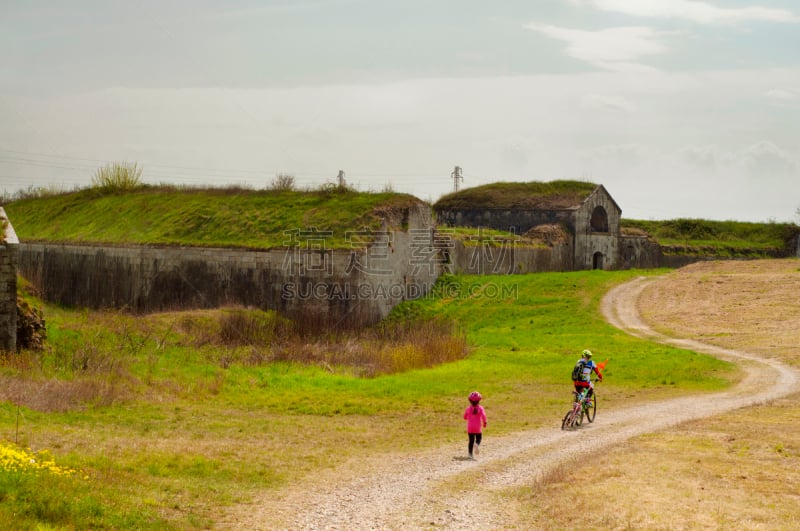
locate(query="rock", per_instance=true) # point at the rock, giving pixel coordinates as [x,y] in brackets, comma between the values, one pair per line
[31,329]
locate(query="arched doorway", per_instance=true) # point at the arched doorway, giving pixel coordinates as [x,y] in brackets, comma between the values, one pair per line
[597,261]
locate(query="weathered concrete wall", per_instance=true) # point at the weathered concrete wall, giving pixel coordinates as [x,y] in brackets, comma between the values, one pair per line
[642,252]
[335,287]
[517,221]
[639,252]
[494,259]
[595,249]
[9,249]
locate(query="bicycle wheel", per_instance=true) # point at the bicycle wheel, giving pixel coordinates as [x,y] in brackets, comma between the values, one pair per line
[566,422]
[572,418]
[591,408]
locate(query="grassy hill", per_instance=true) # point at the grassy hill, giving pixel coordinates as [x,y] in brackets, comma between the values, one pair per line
[229,217]
[717,238]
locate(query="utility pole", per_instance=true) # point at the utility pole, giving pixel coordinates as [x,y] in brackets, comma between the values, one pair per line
[457,177]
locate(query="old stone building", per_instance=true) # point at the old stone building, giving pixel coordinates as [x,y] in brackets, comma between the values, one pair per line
[585,212]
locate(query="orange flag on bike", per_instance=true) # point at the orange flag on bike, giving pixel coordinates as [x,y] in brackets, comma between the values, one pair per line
[602,365]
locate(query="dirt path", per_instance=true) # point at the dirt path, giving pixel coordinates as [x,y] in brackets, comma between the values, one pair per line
[415,492]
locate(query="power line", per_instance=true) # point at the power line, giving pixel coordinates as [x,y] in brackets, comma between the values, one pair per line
[77,171]
[65,162]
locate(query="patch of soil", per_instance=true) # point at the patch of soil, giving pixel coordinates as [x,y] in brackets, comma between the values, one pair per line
[550,235]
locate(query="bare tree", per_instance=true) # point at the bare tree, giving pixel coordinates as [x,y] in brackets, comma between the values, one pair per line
[283,182]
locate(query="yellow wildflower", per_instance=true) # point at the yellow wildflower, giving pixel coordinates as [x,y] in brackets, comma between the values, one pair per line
[14,459]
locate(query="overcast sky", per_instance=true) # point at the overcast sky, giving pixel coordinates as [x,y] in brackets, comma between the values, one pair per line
[681,108]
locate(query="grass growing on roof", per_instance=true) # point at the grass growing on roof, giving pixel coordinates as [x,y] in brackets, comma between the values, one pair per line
[503,195]
[202,217]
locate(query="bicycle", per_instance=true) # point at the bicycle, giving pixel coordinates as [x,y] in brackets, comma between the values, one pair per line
[582,406]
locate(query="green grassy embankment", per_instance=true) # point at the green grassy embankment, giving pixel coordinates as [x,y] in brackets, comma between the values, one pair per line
[718,239]
[201,217]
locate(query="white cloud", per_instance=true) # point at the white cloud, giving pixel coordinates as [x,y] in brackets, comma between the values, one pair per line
[755,167]
[762,160]
[702,157]
[615,49]
[626,156]
[695,11]
[603,102]
[783,97]
[765,161]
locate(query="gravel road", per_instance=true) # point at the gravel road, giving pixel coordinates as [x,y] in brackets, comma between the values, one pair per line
[412,492]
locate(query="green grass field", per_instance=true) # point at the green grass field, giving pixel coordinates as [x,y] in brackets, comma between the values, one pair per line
[162,430]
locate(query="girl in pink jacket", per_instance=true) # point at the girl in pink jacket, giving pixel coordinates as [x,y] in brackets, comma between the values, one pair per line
[475,416]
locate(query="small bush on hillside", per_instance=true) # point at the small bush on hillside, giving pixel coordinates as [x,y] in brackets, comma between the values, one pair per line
[242,327]
[118,176]
[234,327]
[283,182]
[329,189]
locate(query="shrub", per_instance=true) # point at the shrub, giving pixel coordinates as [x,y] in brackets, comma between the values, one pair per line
[118,176]
[283,182]
[250,327]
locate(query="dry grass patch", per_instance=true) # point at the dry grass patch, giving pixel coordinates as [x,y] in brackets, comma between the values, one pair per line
[53,395]
[737,471]
[252,337]
[747,305]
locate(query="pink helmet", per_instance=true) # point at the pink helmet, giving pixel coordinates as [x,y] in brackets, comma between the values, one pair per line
[475,396]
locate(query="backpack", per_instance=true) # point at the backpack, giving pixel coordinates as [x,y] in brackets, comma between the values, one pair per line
[577,370]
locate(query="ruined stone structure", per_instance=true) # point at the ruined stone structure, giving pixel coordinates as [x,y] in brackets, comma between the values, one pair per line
[9,248]
[586,211]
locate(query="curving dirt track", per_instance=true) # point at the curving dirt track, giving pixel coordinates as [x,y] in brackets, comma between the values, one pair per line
[415,491]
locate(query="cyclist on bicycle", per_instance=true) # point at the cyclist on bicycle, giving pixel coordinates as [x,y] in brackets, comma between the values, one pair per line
[582,374]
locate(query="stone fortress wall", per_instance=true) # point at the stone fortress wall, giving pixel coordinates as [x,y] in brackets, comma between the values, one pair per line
[340,287]
[344,287]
